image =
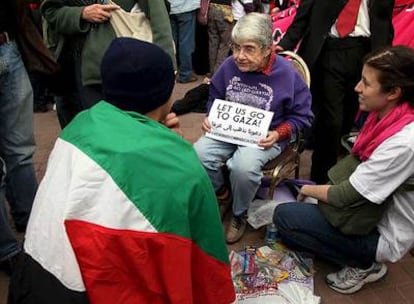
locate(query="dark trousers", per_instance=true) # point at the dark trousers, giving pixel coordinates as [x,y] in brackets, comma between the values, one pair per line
[91,95]
[335,101]
[302,227]
[73,97]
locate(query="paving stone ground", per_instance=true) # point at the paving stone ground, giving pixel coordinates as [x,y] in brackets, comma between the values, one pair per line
[396,288]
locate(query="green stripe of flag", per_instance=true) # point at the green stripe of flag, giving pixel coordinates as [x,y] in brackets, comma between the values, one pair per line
[145,159]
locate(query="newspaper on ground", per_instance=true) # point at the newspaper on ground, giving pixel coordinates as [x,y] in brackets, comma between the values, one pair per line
[277,276]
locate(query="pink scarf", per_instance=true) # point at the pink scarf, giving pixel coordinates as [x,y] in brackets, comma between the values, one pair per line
[375,131]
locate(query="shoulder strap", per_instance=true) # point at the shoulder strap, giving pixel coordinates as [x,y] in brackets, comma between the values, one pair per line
[241,2]
[405,187]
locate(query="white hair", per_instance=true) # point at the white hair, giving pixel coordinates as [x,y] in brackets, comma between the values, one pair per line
[253,27]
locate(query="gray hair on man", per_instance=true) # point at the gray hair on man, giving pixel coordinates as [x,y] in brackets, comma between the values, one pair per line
[253,27]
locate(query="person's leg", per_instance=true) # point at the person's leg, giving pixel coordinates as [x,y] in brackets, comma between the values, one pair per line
[340,72]
[301,226]
[68,97]
[351,103]
[91,95]
[9,246]
[328,122]
[213,155]
[174,29]
[213,37]
[38,82]
[224,31]
[186,44]
[66,109]
[16,136]
[174,22]
[245,176]
[245,168]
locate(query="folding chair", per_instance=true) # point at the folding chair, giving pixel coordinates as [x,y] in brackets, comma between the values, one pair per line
[288,161]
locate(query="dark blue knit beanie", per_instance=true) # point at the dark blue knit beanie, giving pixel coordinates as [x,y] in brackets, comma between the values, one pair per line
[136,75]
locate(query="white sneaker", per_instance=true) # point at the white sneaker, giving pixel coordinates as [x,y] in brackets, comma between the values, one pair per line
[350,280]
[236,229]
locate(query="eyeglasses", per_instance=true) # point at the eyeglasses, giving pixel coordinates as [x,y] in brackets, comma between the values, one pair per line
[248,50]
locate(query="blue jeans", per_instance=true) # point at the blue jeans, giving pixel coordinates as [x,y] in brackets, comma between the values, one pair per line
[16,146]
[244,164]
[302,227]
[183,30]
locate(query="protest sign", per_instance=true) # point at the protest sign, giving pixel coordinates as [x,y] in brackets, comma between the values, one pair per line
[237,123]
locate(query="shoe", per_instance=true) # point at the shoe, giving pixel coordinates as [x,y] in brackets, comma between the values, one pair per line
[236,229]
[194,100]
[350,280]
[191,79]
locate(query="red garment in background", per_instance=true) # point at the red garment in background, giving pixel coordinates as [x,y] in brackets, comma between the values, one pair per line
[347,18]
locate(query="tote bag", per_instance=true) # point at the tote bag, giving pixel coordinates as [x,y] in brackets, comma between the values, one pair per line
[133,24]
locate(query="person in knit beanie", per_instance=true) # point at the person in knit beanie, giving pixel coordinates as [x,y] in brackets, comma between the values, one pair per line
[139,76]
[136,75]
[108,224]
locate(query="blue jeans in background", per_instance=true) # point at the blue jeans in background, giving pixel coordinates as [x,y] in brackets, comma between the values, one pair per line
[302,227]
[244,165]
[16,146]
[183,30]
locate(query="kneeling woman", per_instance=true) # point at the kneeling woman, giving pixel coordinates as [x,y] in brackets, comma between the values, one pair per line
[385,147]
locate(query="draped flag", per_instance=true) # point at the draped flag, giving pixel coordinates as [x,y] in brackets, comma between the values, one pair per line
[125,214]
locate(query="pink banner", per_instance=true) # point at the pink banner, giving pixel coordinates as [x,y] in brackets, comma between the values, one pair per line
[282,20]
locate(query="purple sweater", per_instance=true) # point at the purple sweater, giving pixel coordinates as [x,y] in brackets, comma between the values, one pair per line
[283,92]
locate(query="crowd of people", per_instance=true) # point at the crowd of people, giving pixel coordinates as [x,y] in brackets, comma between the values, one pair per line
[107,212]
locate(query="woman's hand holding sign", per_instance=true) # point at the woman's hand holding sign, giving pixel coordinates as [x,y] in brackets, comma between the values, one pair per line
[206,126]
[271,138]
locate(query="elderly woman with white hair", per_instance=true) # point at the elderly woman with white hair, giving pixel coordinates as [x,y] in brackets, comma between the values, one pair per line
[254,75]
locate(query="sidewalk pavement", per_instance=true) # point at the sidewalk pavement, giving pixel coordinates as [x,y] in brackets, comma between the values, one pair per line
[396,288]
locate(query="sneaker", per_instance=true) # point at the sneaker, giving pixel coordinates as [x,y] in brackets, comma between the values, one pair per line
[350,280]
[236,229]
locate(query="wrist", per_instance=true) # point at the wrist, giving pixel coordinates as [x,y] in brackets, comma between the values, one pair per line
[284,131]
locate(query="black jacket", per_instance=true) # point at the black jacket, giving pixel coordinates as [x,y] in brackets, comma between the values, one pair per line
[314,19]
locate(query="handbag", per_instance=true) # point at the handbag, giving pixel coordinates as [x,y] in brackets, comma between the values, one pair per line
[202,13]
[133,24]
[357,218]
